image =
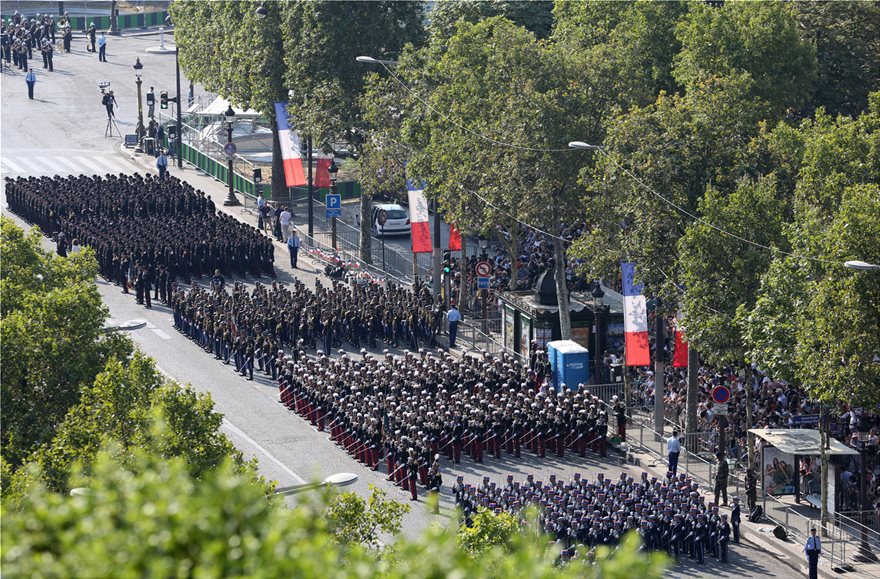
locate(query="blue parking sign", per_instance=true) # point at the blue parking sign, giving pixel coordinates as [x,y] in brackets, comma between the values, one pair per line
[334,205]
[483,283]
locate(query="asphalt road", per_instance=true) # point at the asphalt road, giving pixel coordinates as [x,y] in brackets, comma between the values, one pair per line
[63,130]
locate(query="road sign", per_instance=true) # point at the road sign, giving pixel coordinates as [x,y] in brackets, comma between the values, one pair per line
[383,217]
[484,269]
[720,410]
[804,419]
[483,283]
[230,149]
[721,394]
[334,205]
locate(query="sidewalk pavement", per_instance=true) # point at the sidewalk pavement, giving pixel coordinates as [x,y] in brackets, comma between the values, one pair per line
[310,269]
[761,534]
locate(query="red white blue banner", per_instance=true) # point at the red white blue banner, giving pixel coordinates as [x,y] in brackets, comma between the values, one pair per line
[290,149]
[635,319]
[419,218]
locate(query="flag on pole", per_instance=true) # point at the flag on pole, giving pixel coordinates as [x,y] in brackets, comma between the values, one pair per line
[322,174]
[680,353]
[290,149]
[454,238]
[635,319]
[419,218]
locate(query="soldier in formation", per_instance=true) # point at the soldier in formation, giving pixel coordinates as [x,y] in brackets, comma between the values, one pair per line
[670,515]
[143,228]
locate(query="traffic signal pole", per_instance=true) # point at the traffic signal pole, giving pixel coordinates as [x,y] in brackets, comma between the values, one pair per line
[179,116]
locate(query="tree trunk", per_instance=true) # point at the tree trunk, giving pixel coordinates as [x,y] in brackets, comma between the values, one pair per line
[279,181]
[513,251]
[559,274]
[366,236]
[693,391]
[823,457]
[749,436]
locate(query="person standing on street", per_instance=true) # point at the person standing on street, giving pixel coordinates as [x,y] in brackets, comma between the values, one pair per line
[454,317]
[285,222]
[735,519]
[102,47]
[751,489]
[673,449]
[721,479]
[47,51]
[293,244]
[812,549]
[67,36]
[91,32]
[31,80]
[162,165]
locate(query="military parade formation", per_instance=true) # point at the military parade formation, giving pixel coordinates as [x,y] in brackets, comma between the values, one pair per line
[400,413]
[21,37]
[669,515]
[143,230]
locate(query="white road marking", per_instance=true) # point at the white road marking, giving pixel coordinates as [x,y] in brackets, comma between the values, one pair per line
[51,163]
[240,433]
[15,168]
[35,168]
[160,333]
[110,165]
[73,167]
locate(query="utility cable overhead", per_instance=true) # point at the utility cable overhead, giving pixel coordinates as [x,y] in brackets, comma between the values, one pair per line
[462,127]
[697,218]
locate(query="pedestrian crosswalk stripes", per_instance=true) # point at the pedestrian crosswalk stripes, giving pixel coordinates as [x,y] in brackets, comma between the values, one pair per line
[64,165]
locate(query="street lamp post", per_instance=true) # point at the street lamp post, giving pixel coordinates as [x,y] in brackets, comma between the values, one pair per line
[598,315]
[140,126]
[230,119]
[333,170]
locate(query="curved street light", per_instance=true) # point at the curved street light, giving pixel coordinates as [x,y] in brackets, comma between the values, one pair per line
[861,265]
[339,479]
[371,60]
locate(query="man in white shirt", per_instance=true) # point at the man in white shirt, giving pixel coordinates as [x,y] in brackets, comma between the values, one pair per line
[812,550]
[673,448]
[284,218]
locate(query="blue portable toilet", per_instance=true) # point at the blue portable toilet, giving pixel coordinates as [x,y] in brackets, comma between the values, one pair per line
[569,363]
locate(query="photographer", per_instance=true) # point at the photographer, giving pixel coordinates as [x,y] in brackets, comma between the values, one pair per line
[109,101]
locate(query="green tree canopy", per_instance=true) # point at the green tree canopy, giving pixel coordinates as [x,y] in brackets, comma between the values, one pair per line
[536,16]
[53,339]
[847,40]
[155,519]
[721,274]
[759,39]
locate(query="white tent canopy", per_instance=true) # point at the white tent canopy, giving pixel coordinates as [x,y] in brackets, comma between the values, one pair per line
[218,108]
[802,441]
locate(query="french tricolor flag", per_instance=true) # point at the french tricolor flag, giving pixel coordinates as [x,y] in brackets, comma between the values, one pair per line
[635,319]
[290,149]
[419,218]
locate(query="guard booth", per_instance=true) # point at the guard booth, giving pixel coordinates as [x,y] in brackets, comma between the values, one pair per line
[780,464]
[534,315]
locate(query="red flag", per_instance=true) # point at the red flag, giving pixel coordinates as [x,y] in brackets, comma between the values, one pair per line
[454,238]
[680,353]
[322,175]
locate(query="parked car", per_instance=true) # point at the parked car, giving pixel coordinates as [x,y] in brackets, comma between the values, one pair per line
[396,219]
